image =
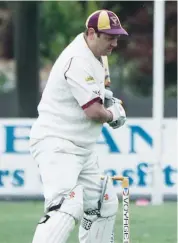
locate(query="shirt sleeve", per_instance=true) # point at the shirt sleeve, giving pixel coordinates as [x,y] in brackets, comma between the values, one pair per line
[82,84]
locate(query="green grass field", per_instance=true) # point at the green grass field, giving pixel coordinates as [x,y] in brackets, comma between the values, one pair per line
[149,224]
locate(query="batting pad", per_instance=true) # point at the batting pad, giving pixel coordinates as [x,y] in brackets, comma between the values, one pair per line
[56,229]
[56,225]
[73,203]
[99,231]
[97,225]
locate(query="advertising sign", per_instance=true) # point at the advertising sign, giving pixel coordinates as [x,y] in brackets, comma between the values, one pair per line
[128,151]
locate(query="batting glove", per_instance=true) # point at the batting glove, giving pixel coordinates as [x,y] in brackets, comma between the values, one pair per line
[108,94]
[118,112]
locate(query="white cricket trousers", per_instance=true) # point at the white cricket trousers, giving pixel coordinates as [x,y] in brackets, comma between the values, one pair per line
[61,170]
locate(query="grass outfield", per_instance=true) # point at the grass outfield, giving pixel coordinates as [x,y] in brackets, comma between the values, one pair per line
[149,224]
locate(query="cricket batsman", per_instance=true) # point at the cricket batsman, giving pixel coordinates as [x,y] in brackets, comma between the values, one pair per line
[63,137]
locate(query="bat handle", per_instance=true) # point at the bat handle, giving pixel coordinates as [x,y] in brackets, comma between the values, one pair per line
[107,102]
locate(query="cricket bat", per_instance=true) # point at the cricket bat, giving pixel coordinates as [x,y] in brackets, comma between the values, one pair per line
[107,73]
[108,102]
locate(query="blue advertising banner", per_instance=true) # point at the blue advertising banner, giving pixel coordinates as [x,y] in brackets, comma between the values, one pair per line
[128,151]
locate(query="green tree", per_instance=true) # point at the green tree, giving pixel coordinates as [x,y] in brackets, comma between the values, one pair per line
[59,23]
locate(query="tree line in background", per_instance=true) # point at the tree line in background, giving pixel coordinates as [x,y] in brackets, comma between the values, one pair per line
[131,63]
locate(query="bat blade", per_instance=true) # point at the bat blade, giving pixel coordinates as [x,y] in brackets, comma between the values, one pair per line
[107,102]
[107,73]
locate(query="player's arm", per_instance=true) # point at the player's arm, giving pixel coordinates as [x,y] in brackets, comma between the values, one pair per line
[82,85]
[97,112]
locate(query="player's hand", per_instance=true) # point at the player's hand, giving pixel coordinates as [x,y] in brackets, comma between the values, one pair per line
[118,112]
[108,101]
[108,94]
